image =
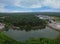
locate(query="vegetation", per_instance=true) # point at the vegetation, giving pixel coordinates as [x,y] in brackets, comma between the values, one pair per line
[42,41]
[57,19]
[24,22]
[32,13]
[7,40]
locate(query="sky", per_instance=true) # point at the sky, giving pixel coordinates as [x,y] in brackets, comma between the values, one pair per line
[29,5]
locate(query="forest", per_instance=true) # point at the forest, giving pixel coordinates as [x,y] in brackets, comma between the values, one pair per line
[27,22]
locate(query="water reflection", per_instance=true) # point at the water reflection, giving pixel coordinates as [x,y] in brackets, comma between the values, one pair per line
[23,35]
[21,29]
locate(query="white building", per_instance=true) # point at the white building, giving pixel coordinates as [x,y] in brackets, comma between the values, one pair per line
[43,17]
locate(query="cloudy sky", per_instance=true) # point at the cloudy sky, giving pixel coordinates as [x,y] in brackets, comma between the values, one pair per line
[29,5]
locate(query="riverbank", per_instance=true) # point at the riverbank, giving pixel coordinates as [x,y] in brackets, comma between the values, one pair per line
[53,22]
[55,26]
[5,39]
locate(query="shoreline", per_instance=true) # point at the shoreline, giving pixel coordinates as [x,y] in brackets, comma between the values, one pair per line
[54,26]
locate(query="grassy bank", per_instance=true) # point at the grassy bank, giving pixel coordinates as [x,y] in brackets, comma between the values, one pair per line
[57,19]
[6,40]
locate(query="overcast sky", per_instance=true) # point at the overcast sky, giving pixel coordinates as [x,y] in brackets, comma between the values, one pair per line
[29,5]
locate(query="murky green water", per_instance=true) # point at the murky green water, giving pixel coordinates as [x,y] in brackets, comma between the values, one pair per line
[23,35]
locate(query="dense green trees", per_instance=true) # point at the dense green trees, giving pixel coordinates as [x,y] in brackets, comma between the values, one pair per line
[25,21]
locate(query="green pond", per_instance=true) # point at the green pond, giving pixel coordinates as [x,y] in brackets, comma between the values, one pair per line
[22,35]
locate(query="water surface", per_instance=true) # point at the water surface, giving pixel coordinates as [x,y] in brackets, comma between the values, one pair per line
[23,35]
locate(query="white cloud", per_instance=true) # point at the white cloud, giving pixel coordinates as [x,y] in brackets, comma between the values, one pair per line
[2,9]
[33,3]
[52,3]
[48,10]
[37,3]
[55,4]
[22,11]
[28,3]
[36,6]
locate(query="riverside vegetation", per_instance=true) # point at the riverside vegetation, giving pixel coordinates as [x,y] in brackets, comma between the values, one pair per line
[24,22]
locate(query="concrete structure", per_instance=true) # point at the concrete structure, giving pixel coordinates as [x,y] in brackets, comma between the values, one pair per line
[43,17]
